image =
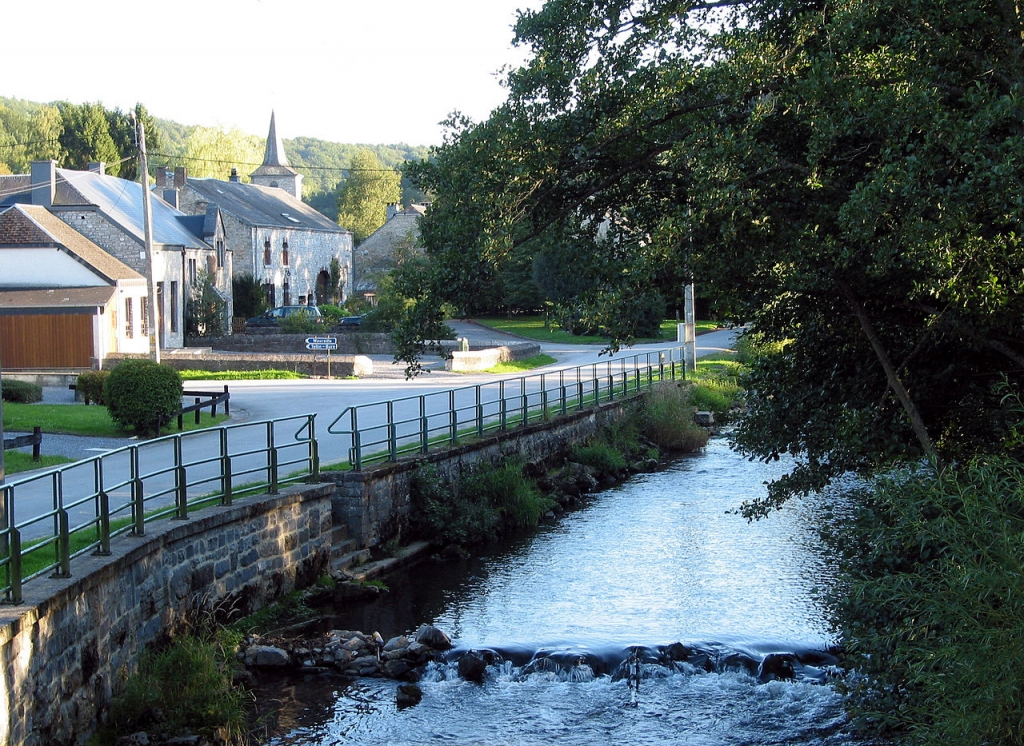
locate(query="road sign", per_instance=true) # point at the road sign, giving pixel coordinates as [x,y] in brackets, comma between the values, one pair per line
[321,343]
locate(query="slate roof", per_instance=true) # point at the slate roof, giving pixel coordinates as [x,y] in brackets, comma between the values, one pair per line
[31,225]
[51,299]
[119,199]
[275,160]
[262,206]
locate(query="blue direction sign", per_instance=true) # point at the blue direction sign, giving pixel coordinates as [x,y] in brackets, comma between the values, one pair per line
[321,343]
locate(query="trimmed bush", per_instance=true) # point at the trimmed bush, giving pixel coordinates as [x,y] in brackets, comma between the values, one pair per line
[90,386]
[137,392]
[21,392]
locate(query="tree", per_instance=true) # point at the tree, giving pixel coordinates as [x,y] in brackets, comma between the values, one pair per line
[211,152]
[844,174]
[123,131]
[364,195]
[85,137]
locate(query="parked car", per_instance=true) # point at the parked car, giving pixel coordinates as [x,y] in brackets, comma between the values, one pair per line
[275,316]
[350,321]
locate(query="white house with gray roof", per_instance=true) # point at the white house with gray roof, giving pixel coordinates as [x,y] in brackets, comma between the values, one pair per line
[273,235]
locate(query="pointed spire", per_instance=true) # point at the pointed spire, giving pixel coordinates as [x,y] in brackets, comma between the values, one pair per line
[275,155]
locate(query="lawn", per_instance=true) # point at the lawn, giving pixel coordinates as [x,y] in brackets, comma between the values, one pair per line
[532,327]
[17,461]
[81,419]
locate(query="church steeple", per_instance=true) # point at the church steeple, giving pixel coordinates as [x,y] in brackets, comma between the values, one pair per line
[275,155]
[275,171]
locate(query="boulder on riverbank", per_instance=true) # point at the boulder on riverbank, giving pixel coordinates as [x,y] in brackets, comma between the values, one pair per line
[348,652]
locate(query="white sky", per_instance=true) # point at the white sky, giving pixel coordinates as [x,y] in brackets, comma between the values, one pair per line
[348,71]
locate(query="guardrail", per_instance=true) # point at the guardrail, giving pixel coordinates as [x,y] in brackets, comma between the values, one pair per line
[35,440]
[50,518]
[386,430]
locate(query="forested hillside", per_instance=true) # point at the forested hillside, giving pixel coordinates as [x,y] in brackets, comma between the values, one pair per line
[74,134]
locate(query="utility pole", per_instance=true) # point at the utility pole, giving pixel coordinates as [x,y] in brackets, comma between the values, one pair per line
[686,333]
[152,307]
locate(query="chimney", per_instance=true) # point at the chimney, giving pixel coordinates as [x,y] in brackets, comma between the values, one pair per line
[162,174]
[97,167]
[44,183]
[235,178]
[180,177]
[393,209]
[171,197]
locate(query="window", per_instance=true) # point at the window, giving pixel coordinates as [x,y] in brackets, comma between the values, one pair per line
[284,254]
[270,293]
[221,253]
[266,253]
[287,295]
[129,319]
[193,272]
[174,305]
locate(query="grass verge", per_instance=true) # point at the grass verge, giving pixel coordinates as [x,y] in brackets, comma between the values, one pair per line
[516,366]
[16,461]
[79,419]
[532,327]
[240,375]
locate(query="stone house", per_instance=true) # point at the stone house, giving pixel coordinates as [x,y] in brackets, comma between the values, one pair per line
[376,254]
[64,301]
[273,235]
[108,211]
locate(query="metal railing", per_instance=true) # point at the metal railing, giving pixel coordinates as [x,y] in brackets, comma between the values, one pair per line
[384,431]
[50,518]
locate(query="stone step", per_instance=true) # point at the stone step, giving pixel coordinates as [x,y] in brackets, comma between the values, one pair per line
[350,559]
[339,534]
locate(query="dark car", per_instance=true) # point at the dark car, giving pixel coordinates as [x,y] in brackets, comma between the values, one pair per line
[275,316]
[350,321]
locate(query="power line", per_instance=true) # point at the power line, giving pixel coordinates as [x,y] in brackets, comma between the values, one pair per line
[301,167]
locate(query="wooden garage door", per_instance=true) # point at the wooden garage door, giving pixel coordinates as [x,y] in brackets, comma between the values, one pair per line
[46,341]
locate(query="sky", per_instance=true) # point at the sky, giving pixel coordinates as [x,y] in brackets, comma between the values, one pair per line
[349,71]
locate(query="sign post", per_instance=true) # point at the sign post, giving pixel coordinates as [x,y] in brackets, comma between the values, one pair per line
[323,343]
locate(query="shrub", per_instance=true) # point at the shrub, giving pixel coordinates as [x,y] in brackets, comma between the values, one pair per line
[182,689]
[667,419]
[138,392]
[605,459]
[21,392]
[332,315]
[90,386]
[247,296]
[299,323]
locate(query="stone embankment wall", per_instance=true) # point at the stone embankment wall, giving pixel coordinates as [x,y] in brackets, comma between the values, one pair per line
[73,639]
[375,504]
[272,341]
[487,357]
[203,358]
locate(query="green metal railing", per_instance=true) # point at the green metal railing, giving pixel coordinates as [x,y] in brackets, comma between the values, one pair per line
[384,431]
[51,518]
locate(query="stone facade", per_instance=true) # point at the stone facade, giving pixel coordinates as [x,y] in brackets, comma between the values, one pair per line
[67,646]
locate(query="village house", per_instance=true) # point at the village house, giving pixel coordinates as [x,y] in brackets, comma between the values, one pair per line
[188,250]
[297,254]
[64,301]
[377,254]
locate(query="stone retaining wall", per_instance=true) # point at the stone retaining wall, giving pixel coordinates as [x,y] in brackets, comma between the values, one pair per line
[64,649]
[272,341]
[375,503]
[486,358]
[203,358]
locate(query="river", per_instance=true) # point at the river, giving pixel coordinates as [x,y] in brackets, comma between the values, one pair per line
[580,617]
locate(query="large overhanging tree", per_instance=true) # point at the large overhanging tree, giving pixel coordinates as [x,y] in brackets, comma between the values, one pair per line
[848,176]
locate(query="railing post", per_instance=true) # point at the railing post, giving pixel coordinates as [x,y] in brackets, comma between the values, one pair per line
[543,398]
[180,482]
[37,440]
[392,433]
[503,409]
[479,413]
[424,426]
[138,494]
[227,400]
[272,476]
[104,525]
[314,451]
[226,486]
[356,459]
[63,546]
[15,595]
[526,402]
[453,417]
[199,411]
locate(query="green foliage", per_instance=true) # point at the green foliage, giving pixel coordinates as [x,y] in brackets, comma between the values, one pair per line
[601,456]
[90,386]
[247,296]
[211,152]
[16,462]
[239,375]
[666,419]
[205,309]
[332,314]
[299,323]
[485,501]
[515,366]
[844,177]
[137,392]
[183,689]
[22,392]
[61,418]
[364,195]
[931,610]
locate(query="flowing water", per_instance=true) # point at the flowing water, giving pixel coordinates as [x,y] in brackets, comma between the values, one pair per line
[579,621]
